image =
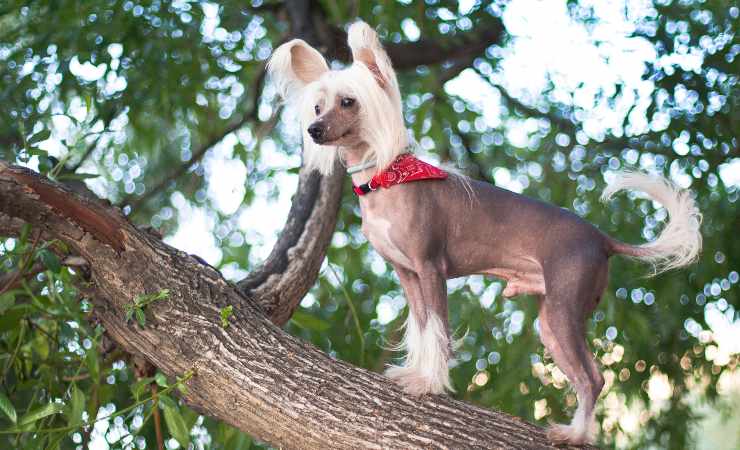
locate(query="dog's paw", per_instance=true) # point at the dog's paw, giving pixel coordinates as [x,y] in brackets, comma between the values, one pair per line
[567,434]
[415,384]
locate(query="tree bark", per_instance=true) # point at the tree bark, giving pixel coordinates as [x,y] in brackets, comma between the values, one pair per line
[293,265]
[251,374]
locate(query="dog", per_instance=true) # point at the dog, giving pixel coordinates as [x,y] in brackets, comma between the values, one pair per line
[423,222]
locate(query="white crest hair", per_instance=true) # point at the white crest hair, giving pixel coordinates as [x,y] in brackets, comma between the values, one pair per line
[381,116]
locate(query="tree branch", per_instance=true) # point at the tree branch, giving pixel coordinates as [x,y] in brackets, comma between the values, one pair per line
[308,22]
[424,52]
[249,116]
[455,68]
[291,269]
[556,119]
[107,119]
[561,122]
[252,374]
[14,279]
[408,55]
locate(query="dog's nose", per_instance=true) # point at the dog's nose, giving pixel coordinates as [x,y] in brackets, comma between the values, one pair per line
[316,131]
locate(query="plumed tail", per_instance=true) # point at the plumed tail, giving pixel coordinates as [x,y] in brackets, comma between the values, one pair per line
[679,244]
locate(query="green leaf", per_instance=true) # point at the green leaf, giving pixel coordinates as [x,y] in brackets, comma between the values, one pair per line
[41,412]
[190,416]
[176,425]
[92,362]
[225,314]
[167,401]
[43,157]
[40,136]
[309,322]
[50,260]
[41,346]
[25,232]
[77,176]
[76,406]
[141,386]
[46,163]
[6,301]
[183,388]
[11,318]
[144,300]
[240,441]
[55,439]
[160,379]
[223,433]
[88,103]
[232,438]
[7,407]
[140,317]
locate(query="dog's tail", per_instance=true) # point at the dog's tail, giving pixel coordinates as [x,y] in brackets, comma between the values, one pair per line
[679,243]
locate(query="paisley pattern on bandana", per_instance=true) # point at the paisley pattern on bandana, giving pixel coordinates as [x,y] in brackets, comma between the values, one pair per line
[405,169]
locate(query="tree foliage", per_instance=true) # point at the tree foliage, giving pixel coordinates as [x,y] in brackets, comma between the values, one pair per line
[150,103]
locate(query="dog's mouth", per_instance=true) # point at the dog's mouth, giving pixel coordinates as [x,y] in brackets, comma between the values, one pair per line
[331,141]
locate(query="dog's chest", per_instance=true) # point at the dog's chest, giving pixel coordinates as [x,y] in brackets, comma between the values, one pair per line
[377,230]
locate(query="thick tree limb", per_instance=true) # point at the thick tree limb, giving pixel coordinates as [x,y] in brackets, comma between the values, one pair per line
[291,269]
[252,374]
[407,55]
[425,52]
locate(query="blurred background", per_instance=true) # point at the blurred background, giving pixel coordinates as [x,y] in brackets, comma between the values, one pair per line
[163,109]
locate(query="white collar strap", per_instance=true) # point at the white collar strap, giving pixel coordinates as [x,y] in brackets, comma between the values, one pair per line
[361,167]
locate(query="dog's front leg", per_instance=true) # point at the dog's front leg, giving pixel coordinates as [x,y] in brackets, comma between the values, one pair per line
[426,339]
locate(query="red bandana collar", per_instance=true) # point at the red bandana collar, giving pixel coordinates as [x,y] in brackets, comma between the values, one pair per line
[405,169]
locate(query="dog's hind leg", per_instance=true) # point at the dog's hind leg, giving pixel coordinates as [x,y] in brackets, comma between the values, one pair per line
[571,294]
[426,339]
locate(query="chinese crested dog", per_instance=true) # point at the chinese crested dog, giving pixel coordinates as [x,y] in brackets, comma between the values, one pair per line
[431,227]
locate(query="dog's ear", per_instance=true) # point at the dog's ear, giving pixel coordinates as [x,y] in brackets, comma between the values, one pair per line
[366,49]
[294,65]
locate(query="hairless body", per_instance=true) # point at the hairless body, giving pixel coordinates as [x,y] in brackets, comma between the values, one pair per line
[431,231]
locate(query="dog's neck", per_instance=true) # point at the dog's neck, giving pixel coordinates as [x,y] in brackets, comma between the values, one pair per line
[354,157]
[367,165]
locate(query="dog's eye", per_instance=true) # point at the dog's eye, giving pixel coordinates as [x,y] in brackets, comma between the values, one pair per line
[347,102]
[317,109]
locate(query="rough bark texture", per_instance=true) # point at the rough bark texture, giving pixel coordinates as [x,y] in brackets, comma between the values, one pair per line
[293,265]
[252,374]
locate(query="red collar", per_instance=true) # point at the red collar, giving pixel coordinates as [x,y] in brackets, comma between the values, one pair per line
[405,169]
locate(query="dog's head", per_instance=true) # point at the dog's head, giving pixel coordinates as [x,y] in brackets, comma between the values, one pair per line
[358,107]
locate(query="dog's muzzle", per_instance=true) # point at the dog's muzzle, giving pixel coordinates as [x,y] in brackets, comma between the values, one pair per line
[317,132]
